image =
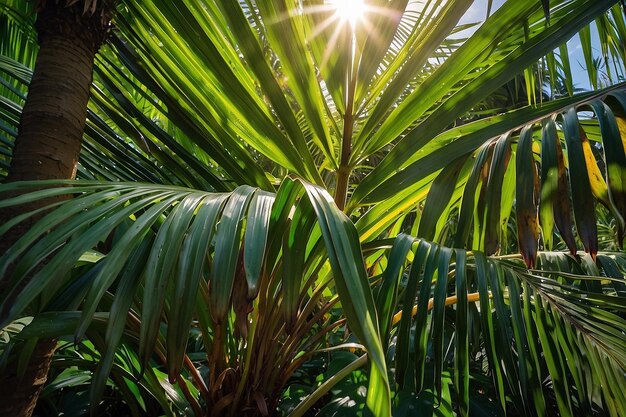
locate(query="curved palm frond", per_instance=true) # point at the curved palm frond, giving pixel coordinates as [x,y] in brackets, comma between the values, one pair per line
[170,245]
[529,340]
[181,98]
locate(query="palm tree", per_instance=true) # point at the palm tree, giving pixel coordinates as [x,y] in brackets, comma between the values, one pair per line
[49,140]
[338,168]
[65,48]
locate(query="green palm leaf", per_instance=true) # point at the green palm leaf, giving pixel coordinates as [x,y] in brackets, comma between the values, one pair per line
[217,134]
[172,217]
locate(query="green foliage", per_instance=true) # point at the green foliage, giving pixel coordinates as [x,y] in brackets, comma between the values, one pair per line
[188,245]
[203,264]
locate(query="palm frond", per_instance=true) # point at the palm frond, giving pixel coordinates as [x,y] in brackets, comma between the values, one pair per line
[172,246]
[552,332]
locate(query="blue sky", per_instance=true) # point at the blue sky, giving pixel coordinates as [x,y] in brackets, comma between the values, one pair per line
[478,11]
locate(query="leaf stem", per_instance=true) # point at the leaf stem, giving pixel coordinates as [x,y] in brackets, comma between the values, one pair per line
[327,386]
[309,401]
[471,298]
[344,170]
[193,402]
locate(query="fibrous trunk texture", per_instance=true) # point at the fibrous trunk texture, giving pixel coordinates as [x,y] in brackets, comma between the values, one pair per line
[47,147]
[20,392]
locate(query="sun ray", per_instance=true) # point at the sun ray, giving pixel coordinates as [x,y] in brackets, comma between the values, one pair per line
[351,11]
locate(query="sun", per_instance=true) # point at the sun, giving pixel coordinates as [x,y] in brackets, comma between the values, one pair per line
[351,11]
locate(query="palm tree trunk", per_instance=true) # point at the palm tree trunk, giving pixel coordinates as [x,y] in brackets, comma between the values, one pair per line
[20,393]
[53,118]
[48,145]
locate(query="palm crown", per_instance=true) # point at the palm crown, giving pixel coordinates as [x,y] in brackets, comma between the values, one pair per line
[248,160]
